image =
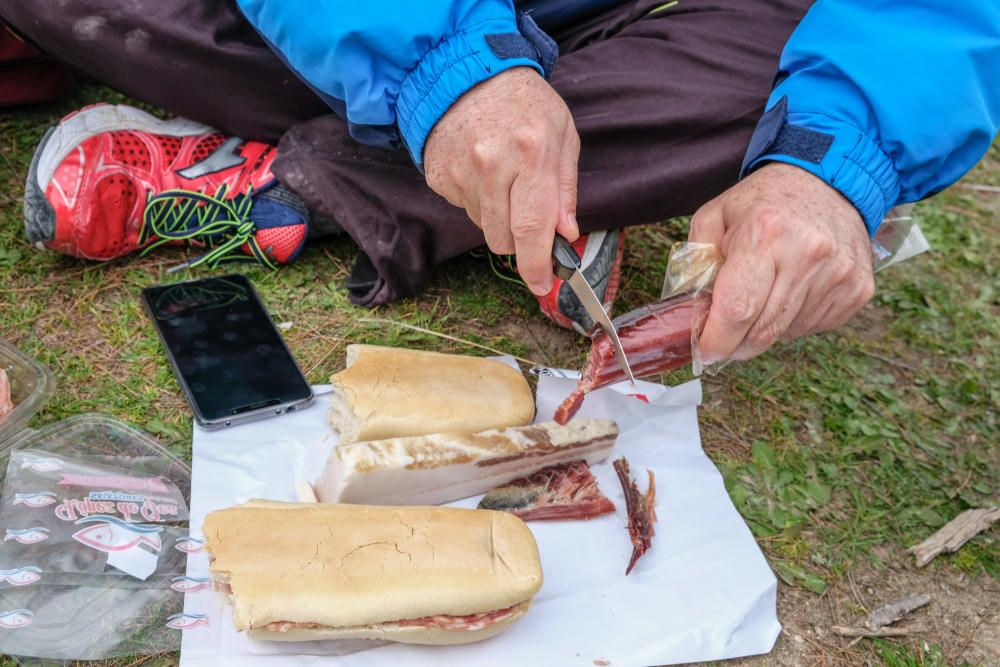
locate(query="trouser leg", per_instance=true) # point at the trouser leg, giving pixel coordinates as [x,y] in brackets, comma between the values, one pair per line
[199,59]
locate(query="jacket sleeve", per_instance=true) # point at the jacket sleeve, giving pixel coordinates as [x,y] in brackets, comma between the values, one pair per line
[392,69]
[888,102]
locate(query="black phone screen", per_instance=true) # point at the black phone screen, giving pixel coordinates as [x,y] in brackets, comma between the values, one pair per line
[227,352]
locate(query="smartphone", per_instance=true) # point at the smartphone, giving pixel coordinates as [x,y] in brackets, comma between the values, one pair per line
[229,358]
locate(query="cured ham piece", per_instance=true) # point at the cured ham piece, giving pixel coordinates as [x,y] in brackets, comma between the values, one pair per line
[656,339]
[564,491]
[439,468]
[641,511]
[6,403]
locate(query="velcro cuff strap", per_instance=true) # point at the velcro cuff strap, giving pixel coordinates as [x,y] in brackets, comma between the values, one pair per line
[774,136]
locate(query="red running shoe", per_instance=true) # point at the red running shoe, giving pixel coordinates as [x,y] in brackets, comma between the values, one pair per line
[110,180]
[601,261]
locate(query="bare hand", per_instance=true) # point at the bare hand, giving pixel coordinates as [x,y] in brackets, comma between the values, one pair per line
[798,261]
[507,153]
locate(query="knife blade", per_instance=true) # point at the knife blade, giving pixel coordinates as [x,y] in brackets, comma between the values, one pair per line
[567,267]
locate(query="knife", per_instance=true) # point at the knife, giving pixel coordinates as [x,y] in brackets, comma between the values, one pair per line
[567,267]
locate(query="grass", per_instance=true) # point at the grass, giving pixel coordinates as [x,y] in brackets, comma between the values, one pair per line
[839,450]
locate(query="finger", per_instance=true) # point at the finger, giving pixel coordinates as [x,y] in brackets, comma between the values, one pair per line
[534,208]
[568,175]
[708,224]
[494,212]
[785,301]
[739,295]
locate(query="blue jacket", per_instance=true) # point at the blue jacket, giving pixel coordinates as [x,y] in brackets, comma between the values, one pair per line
[887,101]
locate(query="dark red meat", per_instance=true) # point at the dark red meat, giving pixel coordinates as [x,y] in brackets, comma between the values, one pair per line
[656,338]
[563,491]
[641,511]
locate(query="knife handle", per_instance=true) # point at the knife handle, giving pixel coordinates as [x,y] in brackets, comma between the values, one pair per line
[565,258]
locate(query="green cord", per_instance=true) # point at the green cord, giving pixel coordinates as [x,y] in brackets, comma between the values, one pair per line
[662,8]
[500,275]
[186,215]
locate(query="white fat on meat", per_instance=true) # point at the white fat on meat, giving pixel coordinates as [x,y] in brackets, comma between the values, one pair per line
[440,468]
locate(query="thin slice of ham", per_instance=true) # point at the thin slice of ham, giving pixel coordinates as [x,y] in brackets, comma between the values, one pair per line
[6,402]
[656,339]
[565,491]
[443,621]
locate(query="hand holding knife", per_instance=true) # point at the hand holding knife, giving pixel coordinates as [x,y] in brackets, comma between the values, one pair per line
[566,264]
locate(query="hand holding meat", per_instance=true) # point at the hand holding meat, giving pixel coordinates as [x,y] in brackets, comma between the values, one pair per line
[798,261]
[506,152]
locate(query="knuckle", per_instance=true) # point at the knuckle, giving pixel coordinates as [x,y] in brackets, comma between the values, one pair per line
[843,272]
[484,157]
[530,140]
[523,228]
[818,247]
[763,336]
[737,309]
[770,223]
[867,288]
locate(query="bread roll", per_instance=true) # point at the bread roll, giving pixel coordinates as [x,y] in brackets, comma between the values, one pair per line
[388,392]
[317,571]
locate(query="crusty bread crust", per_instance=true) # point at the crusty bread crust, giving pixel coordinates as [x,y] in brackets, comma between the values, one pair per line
[388,392]
[396,633]
[356,565]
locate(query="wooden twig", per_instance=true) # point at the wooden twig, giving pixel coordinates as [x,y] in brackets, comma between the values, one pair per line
[881,632]
[954,534]
[978,187]
[892,612]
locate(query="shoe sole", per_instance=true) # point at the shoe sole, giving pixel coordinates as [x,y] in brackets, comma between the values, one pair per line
[73,130]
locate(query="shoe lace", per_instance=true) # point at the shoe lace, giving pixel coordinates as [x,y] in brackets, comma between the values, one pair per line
[223,225]
[507,262]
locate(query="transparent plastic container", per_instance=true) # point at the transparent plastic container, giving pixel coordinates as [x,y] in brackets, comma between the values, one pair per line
[31,386]
[62,596]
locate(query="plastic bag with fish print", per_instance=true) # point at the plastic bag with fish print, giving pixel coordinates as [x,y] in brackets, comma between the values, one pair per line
[93,547]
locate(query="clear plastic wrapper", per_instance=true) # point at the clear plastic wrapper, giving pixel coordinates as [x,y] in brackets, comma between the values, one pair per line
[94,519]
[31,384]
[898,238]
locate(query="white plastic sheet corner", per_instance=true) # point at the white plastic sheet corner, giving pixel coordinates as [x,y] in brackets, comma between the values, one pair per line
[703,591]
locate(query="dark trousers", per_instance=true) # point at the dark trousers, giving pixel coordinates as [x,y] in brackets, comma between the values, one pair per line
[664,101]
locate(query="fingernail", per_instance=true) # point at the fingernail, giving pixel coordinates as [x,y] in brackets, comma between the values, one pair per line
[540,289]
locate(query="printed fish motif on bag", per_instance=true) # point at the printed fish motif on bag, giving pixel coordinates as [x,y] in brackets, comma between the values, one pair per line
[15,618]
[27,535]
[186,621]
[189,545]
[37,499]
[21,576]
[50,464]
[190,584]
[109,533]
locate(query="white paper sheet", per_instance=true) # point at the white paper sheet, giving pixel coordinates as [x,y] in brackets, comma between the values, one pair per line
[702,592]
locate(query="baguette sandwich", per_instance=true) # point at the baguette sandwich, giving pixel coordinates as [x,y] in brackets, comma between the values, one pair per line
[387,392]
[419,575]
[439,468]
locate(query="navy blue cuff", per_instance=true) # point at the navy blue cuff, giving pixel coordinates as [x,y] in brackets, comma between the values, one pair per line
[847,159]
